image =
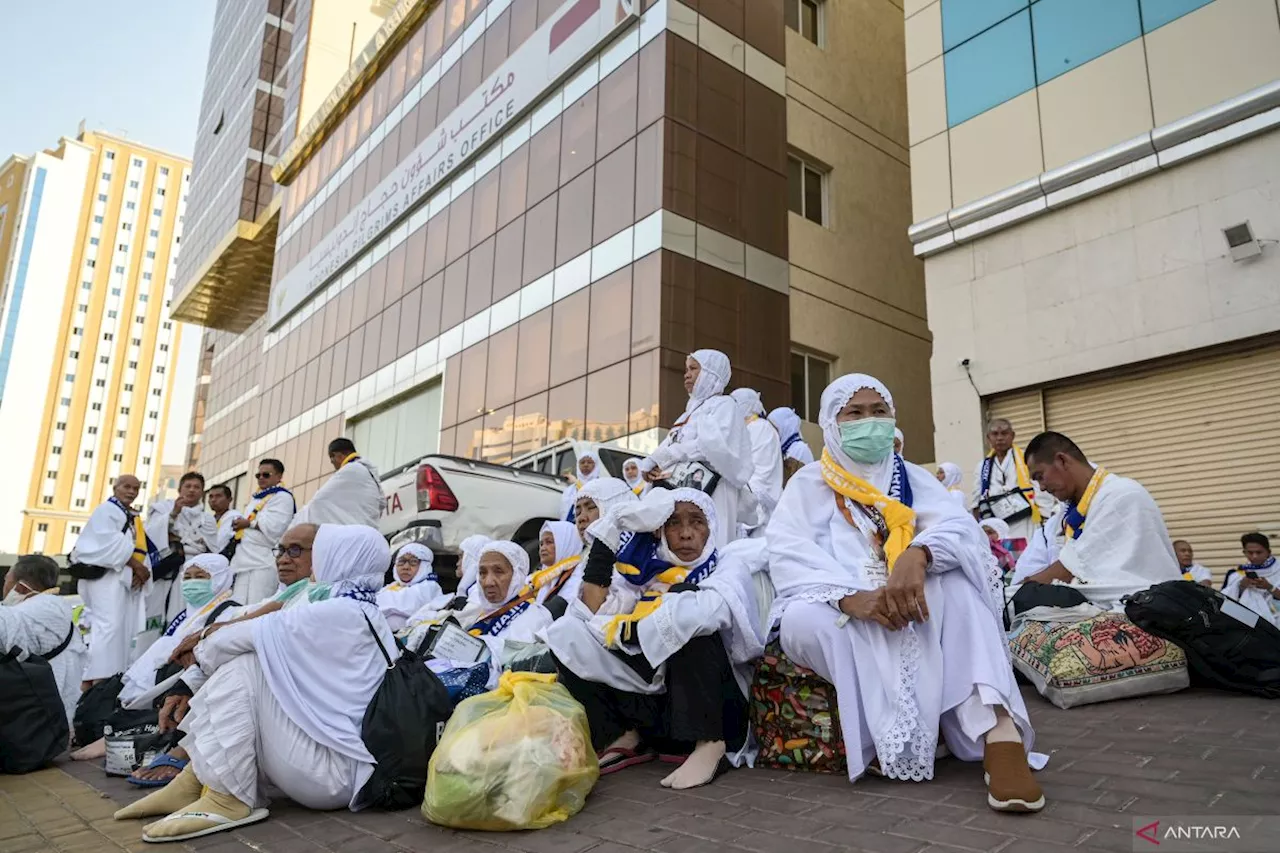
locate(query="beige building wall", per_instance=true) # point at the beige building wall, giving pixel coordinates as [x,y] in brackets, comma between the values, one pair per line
[13,174]
[857,292]
[1121,271]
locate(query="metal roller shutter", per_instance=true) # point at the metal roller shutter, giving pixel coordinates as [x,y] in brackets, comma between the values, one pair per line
[1202,433]
[1023,409]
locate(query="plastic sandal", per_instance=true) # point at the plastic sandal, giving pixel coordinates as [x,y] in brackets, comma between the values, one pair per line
[161,760]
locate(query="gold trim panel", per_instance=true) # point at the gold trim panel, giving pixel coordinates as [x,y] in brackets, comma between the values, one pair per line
[234,288]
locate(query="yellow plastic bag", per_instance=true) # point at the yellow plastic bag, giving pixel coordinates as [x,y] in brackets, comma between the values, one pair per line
[518,757]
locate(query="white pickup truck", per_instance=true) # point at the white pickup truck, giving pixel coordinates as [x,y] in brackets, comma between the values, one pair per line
[441,500]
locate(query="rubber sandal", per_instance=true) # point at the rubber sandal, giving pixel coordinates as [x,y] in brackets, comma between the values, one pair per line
[221,824]
[671,758]
[161,760]
[624,758]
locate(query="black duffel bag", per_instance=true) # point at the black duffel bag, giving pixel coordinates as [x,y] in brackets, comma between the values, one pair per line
[404,720]
[1227,645]
[167,568]
[33,720]
[99,707]
[84,571]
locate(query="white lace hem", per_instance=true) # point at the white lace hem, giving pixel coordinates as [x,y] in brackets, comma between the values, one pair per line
[906,750]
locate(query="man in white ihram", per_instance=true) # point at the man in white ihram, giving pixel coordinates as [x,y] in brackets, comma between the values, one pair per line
[352,495]
[37,621]
[265,520]
[179,528]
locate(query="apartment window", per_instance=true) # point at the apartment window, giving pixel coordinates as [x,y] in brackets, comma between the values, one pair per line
[810,375]
[46,500]
[90,263]
[160,191]
[97,407]
[126,226]
[84,478]
[806,186]
[71,377]
[120,270]
[153,415]
[157,211]
[76,330]
[111,155]
[133,185]
[52,475]
[164,170]
[88,454]
[118,457]
[137,342]
[104,359]
[66,401]
[56,450]
[167,325]
[805,17]
[97,220]
[83,309]
[119,433]
[142,297]
[129,205]
[74,355]
[93,430]
[146,460]
[122,247]
[164,348]
[124,410]
[160,370]
[137,162]
[86,285]
[146,276]
[139,319]
[102,196]
[111,315]
[101,383]
[128,386]
[155,392]
[106,176]
[80,503]
[133,365]
[151,255]
[93,241]
[151,436]
[75,528]
[60,425]
[155,233]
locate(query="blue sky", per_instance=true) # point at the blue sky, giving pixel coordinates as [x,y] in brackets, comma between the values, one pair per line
[134,68]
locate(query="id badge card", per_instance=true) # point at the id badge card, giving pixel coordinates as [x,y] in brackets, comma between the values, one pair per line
[453,643]
[876,572]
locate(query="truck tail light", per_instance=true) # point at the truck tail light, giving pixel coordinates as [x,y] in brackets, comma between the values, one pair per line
[433,492]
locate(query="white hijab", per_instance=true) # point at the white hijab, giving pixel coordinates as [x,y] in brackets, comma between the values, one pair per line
[748,402]
[398,600]
[565,534]
[596,473]
[834,399]
[787,422]
[996,526]
[902,440]
[712,379]
[639,479]
[649,515]
[426,560]
[470,548]
[518,557]
[320,661]
[951,475]
[608,492]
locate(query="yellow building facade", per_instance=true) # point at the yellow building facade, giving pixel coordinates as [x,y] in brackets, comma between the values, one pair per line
[87,364]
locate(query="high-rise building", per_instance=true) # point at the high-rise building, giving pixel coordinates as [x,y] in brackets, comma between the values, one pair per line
[1096,191]
[511,220]
[89,236]
[271,64]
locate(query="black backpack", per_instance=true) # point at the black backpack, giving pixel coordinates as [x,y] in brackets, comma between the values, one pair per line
[33,719]
[404,720]
[1222,650]
[99,707]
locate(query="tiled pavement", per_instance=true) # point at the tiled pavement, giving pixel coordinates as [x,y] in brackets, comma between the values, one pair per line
[1194,753]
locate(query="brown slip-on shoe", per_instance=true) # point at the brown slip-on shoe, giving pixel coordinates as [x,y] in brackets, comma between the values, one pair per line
[1010,785]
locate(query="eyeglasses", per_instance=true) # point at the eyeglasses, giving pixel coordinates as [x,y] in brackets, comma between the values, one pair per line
[294,551]
[408,560]
[262,475]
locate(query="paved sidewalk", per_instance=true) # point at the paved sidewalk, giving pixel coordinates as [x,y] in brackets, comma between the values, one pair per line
[1194,753]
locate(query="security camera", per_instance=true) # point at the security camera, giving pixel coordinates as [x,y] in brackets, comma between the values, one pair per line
[964,362]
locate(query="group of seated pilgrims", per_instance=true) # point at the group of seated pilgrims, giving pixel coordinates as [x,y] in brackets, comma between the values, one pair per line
[653,607]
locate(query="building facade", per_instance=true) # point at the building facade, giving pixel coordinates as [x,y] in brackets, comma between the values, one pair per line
[1081,171]
[92,230]
[511,220]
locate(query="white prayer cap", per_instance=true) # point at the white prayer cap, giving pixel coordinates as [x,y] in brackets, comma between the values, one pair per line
[786,420]
[713,378]
[515,555]
[349,556]
[748,400]
[217,566]
[425,557]
[607,492]
[996,526]
[565,534]
[951,474]
[634,460]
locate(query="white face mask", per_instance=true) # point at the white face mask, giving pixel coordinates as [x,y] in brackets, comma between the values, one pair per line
[14,597]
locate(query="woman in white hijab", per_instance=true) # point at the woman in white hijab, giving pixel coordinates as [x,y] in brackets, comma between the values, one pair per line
[597,500]
[787,422]
[470,561]
[559,548]
[494,611]
[631,474]
[711,431]
[671,674]
[284,702]
[766,460]
[589,469]
[951,478]
[415,584]
[886,588]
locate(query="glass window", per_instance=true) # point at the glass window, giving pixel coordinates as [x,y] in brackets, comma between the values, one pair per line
[988,70]
[568,343]
[807,190]
[964,19]
[609,332]
[496,445]
[1069,33]
[607,397]
[805,17]
[529,430]
[501,382]
[566,407]
[810,376]
[534,355]
[1157,13]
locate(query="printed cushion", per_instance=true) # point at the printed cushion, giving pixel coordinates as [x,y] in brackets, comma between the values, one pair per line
[793,714]
[1102,658]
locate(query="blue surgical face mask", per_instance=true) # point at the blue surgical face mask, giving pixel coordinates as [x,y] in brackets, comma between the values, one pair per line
[197,591]
[869,440]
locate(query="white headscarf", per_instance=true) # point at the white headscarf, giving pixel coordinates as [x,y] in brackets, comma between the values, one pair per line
[426,562]
[596,473]
[565,534]
[608,492]
[902,440]
[648,515]
[701,500]
[997,526]
[320,661]
[349,557]
[217,566]
[712,380]
[749,403]
[519,560]
[834,399]
[787,422]
[470,548]
[639,476]
[951,474]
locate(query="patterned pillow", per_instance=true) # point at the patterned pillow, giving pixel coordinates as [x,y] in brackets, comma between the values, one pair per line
[1098,659]
[794,717]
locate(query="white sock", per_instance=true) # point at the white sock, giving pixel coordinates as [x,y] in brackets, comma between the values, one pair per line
[699,768]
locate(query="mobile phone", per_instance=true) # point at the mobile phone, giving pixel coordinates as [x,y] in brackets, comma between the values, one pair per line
[1251,575]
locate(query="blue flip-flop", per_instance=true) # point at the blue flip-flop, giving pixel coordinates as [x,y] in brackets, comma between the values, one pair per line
[164,759]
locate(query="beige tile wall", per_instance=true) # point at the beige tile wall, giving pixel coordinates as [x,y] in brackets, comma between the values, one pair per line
[1095,106]
[996,149]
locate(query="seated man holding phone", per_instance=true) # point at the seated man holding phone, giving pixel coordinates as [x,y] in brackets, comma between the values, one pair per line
[1004,488]
[1254,583]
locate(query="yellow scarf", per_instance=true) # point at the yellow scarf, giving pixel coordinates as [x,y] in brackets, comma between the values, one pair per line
[622,628]
[139,540]
[1024,480]
[348,459]
[542,577]
[901,519]
[1095,483]
[253,513]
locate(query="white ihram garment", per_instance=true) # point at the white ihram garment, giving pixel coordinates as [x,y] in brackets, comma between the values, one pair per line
[351,495]
[1004,478]
[1124,546]
[254,563]
[117,613]
[1260,601]
[287,691]
[787,422]
[37,626]
[712,431]
[895,689]
[218,537]
[192,525]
